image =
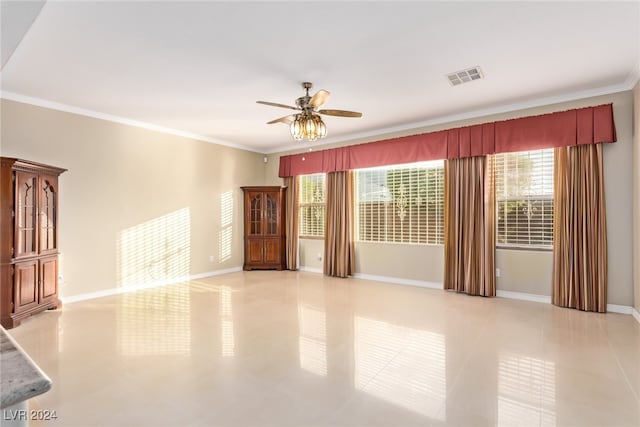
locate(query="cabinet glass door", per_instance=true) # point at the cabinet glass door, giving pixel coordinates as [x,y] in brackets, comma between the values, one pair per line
[255,214]
[48,214]
[25,214]
[272,214]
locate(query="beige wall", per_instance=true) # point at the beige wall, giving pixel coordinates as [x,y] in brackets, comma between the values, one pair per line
[136,206]
[618,170]
[524,271]
[521,271]
[311,253]
[405,261]
[636,196]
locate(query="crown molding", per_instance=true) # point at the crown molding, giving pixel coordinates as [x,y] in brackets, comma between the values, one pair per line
[629,83]
[633,77]
[11,96]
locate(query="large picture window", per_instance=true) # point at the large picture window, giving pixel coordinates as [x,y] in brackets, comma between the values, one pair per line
[311,205]
[524,199]
[401,204]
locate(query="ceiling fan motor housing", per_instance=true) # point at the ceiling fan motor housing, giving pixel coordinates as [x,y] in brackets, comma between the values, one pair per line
[303,101]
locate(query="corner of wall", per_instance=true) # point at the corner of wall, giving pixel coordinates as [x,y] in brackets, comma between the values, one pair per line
[636,198]
[271,169]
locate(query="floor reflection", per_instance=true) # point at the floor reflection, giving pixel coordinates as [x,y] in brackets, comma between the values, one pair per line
[155,322]
[408,366]
[313,339]
[226,322]
[526,390]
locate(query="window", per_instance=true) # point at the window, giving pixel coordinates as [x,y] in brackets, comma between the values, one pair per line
[311,205]
[524,199]
[401,204]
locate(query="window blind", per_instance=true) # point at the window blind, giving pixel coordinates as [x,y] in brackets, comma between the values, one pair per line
[524,198]
[401,204]
[311,205]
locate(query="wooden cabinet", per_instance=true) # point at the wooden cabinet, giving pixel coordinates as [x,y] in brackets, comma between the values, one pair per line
[264,233]
[29,239]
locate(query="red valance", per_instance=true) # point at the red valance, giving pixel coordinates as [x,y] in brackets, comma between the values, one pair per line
[590,125]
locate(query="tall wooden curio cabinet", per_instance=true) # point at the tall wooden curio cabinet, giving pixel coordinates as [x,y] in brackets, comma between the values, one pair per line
[29,240]
[264,231]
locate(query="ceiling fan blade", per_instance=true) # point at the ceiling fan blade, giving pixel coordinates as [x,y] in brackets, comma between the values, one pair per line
[319,99]
[340,113]
[286,119]
[275,104]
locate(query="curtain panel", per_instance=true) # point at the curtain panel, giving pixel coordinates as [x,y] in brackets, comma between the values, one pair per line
[579,229]
[583,126]
[291,223]
[339,248]
[469,235]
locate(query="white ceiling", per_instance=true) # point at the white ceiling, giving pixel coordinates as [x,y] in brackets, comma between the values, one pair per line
[199,67]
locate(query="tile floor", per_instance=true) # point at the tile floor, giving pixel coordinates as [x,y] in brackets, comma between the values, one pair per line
[299,349]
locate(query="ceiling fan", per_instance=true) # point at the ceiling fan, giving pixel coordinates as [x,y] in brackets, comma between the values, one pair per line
[307,123]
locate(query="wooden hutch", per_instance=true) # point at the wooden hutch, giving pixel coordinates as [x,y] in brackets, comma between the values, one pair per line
[264,228]
[29,239]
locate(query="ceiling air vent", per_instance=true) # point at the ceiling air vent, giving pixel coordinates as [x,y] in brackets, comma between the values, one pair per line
[465,76]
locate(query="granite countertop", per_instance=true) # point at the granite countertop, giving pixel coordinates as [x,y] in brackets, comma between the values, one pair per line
[20,377]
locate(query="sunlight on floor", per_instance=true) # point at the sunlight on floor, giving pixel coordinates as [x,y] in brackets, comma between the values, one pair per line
[226,322]
[526,390]
[411,362]
[313,339]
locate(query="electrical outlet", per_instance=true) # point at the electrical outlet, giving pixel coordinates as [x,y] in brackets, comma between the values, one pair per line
[212,258]
[497,272]
[319,257]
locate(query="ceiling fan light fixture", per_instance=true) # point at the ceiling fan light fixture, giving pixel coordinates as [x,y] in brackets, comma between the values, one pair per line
[308,126]
[307,123]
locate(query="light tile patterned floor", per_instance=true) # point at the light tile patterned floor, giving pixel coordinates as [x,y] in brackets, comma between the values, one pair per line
[299,349]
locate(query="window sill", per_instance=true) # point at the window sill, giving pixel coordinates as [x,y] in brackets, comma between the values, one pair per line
[369,242]
[525,248]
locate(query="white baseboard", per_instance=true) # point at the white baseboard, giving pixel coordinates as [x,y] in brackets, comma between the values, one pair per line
[622,309]
[310,269]
[399,281]
[141,286]
[215,273]
[545,299]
